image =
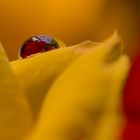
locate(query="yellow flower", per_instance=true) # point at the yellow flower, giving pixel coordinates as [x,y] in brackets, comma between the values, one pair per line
[68,93]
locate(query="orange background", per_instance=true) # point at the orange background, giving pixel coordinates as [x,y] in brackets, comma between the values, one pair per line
[70,20]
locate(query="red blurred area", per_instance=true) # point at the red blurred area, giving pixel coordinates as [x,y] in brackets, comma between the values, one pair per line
[131,102]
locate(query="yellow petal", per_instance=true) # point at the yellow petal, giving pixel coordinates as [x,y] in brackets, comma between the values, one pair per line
[38,72]
[84,100]
[15,115]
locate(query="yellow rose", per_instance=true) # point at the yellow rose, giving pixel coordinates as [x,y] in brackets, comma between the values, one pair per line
[68,93]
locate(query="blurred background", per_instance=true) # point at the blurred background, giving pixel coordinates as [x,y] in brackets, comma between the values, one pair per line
[72,21]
